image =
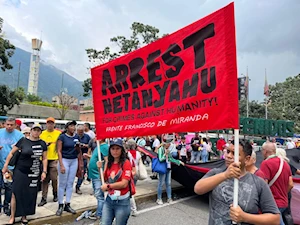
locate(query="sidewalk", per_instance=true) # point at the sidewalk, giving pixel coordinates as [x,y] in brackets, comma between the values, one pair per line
[146,189]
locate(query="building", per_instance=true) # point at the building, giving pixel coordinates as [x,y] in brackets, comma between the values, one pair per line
[87,115]
[86,103]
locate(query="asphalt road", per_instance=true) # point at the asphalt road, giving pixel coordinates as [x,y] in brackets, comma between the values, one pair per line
[192,210]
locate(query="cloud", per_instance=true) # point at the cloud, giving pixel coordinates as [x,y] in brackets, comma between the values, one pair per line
[267,31]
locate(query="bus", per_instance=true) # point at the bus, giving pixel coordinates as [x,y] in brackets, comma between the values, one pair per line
[59,124]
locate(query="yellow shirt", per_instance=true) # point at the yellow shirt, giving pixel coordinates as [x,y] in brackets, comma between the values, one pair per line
[51,137]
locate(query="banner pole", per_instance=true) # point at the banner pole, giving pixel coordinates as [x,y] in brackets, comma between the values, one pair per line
[236,160]
[100,159]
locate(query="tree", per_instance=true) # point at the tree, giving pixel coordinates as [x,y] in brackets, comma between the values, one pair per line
[63,103]
[6,50]
[141,35]
[10,98]
[284,101]
[33,98]
[256,109]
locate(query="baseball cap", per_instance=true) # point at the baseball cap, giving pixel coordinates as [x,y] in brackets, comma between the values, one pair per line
[50,119]
[19,122]
[73,122]
[36,125]
[117,142]
[26,130]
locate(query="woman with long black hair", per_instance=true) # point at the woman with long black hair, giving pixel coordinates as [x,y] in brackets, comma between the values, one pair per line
[117,177]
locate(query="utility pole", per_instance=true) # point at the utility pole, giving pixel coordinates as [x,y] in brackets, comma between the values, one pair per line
[18,84]
[247,99]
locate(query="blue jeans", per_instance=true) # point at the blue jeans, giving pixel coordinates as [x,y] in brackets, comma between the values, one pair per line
[119,209]
[281,211]
[204,156]
[85,169]
[7,193]
[164,178]
[99,195]
[195,156]
[66,180]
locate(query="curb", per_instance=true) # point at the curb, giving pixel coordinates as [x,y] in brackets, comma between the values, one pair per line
[67,217]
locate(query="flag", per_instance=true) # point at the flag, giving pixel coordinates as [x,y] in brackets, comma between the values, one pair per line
[266,88]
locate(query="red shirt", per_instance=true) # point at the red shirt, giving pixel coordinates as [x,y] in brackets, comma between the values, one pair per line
[220,144]
[115,169]
[280,188]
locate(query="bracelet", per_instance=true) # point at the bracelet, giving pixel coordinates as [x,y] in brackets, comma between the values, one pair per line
[108,186]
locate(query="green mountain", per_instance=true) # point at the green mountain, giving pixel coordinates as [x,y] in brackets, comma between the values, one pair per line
[50,78]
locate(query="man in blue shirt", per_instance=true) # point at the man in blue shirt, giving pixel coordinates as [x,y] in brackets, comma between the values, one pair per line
[9,136]
[84,140]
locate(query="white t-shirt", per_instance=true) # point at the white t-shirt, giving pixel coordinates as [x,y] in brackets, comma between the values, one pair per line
[91,134]
[172,148]
[156,143]
[135,160]
[290,145]
[183,149]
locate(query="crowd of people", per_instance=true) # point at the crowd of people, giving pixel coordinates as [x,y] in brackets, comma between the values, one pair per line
[31,158]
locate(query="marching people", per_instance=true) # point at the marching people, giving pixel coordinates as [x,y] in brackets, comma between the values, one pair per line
[68,148]
[26,174]
[195,143]
[88,131]
[182,152]
[50,136]
[279,184]
[155,145]
[84,140]
[117,177]
[221,145]
[254,194]
[135,160]
[9,136]
[94,171]
[204,151]
[26,132]
[165,156]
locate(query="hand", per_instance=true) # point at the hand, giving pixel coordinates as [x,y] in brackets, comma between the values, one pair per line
[5,169]
[62,169]
[233,171]
[43,176]
[85,155]
[236,214]
[99,164]
[104,187]
[1,147]
[182,163]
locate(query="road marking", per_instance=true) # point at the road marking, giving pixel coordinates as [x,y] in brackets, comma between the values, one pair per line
[165,204]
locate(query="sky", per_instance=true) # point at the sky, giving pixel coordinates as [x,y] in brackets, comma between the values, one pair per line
[268,32]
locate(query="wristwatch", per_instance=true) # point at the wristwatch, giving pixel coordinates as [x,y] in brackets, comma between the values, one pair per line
[45,172]
[108,186]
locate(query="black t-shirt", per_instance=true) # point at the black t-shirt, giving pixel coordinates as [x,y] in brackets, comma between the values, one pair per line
[31,152]
[194,142]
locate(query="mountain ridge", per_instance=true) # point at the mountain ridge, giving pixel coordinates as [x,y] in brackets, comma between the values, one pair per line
[50,77]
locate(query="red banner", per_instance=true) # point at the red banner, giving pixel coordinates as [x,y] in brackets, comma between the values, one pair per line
[186,81]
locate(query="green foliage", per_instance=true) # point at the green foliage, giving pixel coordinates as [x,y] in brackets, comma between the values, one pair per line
[141,35]
[284,101]
[33,98]
[88,108]
[6,50]
[256,109]
[40,103]
[9,98]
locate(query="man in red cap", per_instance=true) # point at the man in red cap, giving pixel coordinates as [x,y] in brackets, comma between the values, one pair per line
[18,125]
[50,136]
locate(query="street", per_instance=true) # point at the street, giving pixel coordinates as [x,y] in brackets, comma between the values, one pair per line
[192,210]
